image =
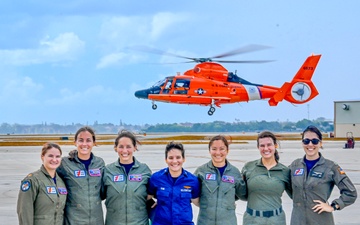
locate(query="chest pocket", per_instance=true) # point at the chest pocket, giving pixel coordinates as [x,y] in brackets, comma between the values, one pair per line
[163,196]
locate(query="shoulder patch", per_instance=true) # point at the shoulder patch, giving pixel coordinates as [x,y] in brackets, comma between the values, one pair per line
[341,171]
[25,185]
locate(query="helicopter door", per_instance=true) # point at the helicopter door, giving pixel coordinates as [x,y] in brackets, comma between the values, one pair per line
[181,86]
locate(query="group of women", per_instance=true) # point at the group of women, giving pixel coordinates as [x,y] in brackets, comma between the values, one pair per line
[70,190]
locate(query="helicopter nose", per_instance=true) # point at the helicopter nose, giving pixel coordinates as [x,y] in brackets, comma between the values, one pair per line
[142,94]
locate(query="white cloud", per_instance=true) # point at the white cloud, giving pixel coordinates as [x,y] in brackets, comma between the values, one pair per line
[118,33]
[20,90]
[65,47]
[161,21]
[111,59]
[95,95]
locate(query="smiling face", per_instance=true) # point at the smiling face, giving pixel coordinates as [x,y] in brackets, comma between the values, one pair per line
[218,151]
[266,147]
[84,143]
[125,149]
[51,159]
[175,160]
[311,150]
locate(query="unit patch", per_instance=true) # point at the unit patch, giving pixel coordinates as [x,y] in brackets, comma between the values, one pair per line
[95,172]
[118,178]
[25,185]
[79,173]
[299,172]
[316,174]
[135,177]
[62,190]
[210,176]
[51,189]
[228,179]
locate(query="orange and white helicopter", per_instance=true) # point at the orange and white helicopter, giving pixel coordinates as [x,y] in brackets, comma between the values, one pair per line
[210,84]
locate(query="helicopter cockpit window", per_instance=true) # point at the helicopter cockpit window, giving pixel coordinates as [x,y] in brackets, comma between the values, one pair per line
[160,83]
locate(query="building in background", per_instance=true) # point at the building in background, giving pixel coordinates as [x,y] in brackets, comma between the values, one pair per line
[347,118]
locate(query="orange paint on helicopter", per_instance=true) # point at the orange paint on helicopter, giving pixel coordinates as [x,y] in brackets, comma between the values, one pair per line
[210,84]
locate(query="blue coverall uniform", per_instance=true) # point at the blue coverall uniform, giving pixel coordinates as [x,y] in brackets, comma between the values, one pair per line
[173,198]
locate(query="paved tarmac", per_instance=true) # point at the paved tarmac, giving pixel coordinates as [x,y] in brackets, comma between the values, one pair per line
[17,162]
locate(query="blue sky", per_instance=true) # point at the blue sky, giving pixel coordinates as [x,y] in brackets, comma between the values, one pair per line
[68,62]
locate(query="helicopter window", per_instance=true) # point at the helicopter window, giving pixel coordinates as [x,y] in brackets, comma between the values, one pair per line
[160,83]
[182,83]
[168,84]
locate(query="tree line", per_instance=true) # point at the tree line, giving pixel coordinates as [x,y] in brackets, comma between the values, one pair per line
[216,126]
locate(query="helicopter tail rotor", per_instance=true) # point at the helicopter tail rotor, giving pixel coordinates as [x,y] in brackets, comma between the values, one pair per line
[301,89]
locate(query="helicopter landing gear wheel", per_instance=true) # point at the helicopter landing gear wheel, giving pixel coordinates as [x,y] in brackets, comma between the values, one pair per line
[154,106]
[211,111]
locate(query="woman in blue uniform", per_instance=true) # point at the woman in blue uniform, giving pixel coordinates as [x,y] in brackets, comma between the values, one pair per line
[313,179]
[266,180]
[42,194]
[174,188]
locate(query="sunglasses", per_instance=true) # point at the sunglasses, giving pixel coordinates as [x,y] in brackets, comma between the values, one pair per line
[307,141]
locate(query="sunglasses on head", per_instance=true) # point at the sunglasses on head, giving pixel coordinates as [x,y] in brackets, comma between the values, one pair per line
[307,141]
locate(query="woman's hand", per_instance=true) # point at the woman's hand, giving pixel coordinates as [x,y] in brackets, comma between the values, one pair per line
[322,207]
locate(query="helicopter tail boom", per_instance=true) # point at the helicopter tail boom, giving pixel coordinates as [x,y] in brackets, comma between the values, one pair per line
[301,89]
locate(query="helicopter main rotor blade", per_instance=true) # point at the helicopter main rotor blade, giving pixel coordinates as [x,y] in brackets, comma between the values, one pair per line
[243,61]
[242,50]
[158,51]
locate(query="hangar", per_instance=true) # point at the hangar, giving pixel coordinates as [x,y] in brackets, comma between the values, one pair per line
[347,118]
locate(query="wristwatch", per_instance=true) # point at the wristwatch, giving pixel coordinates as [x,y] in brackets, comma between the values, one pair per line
[334,206]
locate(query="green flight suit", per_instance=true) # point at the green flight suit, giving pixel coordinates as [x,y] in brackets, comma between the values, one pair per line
[126,194]
[265,188]
[318,185]
[218,194]
[41,201]
[83,205]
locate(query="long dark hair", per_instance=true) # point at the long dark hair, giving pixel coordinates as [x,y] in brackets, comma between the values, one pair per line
[128,134]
